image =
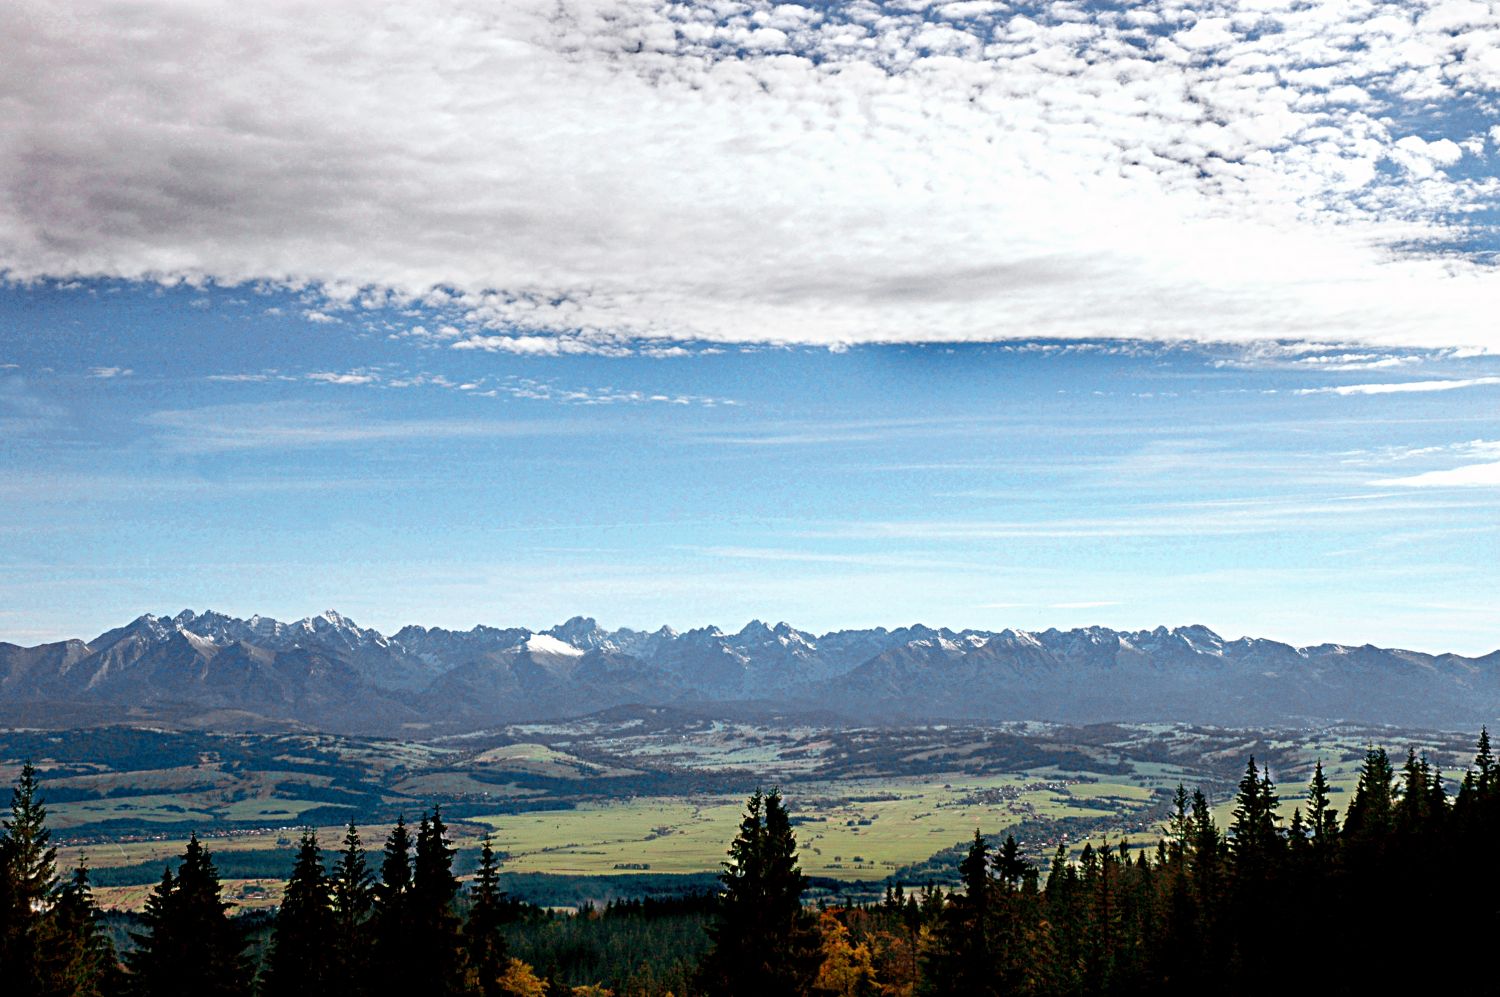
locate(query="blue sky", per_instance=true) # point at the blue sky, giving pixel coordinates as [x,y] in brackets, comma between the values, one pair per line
[195,448]
[985,314]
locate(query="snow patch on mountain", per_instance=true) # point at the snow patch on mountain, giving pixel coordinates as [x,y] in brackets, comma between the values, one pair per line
[546,644]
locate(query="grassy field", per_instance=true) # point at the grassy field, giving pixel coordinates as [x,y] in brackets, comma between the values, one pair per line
[632,797]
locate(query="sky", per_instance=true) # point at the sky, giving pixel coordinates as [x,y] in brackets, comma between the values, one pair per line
[976,314]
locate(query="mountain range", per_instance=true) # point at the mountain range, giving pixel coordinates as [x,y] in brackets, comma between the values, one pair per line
[327,672]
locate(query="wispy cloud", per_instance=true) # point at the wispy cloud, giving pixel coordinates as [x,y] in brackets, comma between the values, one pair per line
[1399,454]
[1083,605]
[79,491]
[24,412]
[1213,518]
[249,378]
[256,426]
[510,386]
[1402,387]
[106,373]
[760,171]
[929,561]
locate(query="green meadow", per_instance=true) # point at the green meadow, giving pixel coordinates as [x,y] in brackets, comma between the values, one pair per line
[632,798]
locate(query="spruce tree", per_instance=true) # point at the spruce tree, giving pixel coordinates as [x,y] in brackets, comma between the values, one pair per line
[1322,819]
[1254,838]
[1207,872]
[1465,803]
[394,971]
[489,910]
[1179,825]
[437,930]
[964,959]
[28,881]
[191,949]
[352,886]
[1484,762]
[1413,810]
[763,941]
[79,958]
[14,916]
[30,855]
[1011,869]
[303,957]
[1372,811]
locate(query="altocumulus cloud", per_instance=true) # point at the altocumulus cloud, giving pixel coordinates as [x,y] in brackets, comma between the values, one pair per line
[748,171]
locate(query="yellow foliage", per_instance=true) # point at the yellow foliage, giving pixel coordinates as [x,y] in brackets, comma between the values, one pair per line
[520,980]
[847,969]
[592,990]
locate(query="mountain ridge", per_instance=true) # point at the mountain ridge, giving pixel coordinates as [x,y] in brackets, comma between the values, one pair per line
[327,671]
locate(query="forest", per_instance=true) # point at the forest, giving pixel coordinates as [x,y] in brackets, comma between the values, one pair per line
[1396,893]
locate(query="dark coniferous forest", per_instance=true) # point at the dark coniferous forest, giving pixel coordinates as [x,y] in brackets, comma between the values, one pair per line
[1397,894]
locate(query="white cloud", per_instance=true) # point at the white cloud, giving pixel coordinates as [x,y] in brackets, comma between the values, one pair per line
[105,373]
[575,172]
[331,377]
[1469,475]
[546,346]
[1423,158]
[1359,361]
[1401,387]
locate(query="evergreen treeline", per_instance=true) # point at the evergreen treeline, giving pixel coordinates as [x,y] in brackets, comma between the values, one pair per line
[1395,895]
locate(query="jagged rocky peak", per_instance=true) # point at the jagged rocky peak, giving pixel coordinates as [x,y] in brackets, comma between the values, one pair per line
[1201,638]
[582,632]
[1195,639]
[147,626]
[755,630]
[221,628]
[758,633]
[1088,673]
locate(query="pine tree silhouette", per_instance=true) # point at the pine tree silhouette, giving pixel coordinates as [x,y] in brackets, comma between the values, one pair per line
[764,943]
[353,895]
[303,959]
[489,910]
[394,969]
[28,879]
[437,940]
[191,948]
[79,958]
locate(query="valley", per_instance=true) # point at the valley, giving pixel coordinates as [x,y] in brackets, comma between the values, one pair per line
[643,800]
